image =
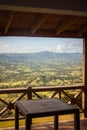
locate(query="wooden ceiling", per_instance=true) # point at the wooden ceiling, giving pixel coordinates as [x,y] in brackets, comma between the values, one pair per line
[18,23]
[43,18]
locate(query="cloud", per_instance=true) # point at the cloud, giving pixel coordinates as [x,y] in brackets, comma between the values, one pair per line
[60,48]
[3,47]
[69,48]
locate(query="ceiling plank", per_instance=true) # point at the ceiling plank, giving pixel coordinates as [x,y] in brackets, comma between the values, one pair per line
[11,16]
[66,24]
[39,23]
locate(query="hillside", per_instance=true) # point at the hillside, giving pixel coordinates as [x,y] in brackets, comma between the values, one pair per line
[40,69]
[41,57]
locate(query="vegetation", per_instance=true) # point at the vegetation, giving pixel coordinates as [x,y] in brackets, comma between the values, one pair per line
[40,69]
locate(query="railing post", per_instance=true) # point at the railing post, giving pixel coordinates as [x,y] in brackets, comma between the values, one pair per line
[29,93]
[29,97]
[60,95]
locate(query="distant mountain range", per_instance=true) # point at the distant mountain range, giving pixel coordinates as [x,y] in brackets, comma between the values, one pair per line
[43,57]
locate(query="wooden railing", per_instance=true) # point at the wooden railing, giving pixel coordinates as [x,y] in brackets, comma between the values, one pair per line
[70,94]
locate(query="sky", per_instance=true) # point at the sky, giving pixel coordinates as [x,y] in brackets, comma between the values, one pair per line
[38,44]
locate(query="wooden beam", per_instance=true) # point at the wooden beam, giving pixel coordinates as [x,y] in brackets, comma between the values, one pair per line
[66,24]
[11,16]
[84,101]
[82,30]
[69,7]
[40,21]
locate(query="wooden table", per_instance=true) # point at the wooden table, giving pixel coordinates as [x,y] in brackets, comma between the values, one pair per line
[42,108]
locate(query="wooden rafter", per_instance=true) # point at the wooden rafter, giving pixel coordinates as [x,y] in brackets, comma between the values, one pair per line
[39,23]
[11,16]
[82,30]
[66,24]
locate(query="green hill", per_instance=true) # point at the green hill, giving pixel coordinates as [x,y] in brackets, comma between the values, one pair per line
[41,57]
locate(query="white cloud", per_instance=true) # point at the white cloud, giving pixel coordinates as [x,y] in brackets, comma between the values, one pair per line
[3,47]
[69,48]
[60,48]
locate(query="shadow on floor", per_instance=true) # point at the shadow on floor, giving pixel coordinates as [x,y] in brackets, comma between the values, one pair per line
[66,125]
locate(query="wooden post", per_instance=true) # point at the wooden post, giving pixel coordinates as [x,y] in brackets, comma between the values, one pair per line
[84,101]
[29,97]
[29,94]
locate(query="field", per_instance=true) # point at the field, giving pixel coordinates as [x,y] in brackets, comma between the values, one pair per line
[44,69]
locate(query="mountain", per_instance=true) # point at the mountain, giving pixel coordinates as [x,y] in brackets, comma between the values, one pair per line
[41,57]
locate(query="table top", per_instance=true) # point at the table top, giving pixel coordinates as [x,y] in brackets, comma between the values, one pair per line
[44,107]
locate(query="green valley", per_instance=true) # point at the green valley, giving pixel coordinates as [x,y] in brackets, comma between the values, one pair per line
[40,69]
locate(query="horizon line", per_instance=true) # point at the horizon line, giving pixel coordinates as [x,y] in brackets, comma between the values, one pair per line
[36,52]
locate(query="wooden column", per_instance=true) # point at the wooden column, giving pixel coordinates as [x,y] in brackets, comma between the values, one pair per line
[85,73]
